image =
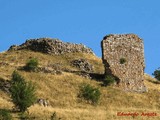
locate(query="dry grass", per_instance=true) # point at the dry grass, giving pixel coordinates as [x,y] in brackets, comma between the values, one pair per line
[5,101]
[62,90]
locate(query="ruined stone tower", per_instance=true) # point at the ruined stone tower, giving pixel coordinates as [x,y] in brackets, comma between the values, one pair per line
[123,58]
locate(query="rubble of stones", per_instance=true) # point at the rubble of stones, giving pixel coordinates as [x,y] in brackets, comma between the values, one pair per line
[5,85]
[51,68]
[51,46]
[83,65]
[123,57]
[4,64]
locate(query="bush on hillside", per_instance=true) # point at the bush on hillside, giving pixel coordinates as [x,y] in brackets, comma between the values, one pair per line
[156,74]
[89,93]
[16,77]
[5,115]
[109,80]
[31,65]
[22,92]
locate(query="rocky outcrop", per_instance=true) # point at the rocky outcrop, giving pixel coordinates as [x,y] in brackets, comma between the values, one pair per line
[51,46]
[83,65]
[123,57]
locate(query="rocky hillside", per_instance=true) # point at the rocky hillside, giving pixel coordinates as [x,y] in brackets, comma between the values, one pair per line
[58,80]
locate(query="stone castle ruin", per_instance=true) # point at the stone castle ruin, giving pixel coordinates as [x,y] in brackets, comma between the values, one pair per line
[51,46]
[122,55]
[123,58]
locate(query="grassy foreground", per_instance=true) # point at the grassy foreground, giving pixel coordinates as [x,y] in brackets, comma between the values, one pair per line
[62,90]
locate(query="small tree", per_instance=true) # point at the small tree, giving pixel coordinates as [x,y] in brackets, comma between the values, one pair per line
[89,93]
[22,92]
[157,74]
[31,65]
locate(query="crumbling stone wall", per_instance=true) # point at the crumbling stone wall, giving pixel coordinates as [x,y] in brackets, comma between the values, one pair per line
[51,46]
[123,57]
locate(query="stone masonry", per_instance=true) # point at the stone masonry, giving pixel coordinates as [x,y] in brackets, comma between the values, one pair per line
[123,58]
[51,46]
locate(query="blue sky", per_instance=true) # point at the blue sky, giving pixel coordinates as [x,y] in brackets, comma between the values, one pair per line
[82,21]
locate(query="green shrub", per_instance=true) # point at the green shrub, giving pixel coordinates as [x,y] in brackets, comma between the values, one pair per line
[122,61]
[89,93]
[16,77]
[109,80]
[31,65]
[22,92]
[5,115]
[156,74]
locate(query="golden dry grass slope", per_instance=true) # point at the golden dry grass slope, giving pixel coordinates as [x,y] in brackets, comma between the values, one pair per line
[61,90]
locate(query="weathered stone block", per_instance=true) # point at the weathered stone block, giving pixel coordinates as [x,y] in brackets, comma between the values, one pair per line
[123,57]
